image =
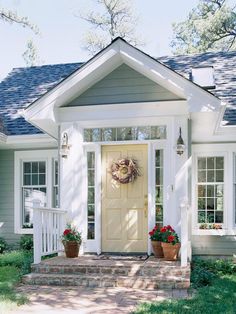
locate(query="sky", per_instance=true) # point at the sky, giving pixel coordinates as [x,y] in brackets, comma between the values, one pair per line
[62,31]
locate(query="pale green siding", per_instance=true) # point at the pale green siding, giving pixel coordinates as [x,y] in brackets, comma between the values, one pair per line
[7,197]
[214,245]
[123,85]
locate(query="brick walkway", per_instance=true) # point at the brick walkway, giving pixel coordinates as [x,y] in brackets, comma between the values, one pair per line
[54,300]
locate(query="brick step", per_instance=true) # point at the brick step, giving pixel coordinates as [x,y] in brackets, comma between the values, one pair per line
[136,282]
[131,270]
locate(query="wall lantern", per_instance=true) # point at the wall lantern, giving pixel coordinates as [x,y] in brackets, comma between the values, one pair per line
[180,147]
[65,147]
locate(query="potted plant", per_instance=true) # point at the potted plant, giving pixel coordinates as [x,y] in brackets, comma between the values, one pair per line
[170,243]
[71,239]
[156,238]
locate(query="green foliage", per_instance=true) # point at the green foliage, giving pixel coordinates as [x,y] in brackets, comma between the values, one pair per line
[216,266]
[215,299]
[3,245]
[71,234]
[12,266]
[211,26]
[20,259]
[26,243]
[112,19]
[201,277]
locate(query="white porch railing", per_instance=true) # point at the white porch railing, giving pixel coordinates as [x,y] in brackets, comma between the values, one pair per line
[185,243]
[49,224]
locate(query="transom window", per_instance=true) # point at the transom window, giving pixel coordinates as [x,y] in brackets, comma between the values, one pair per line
[210,189]
[140,133]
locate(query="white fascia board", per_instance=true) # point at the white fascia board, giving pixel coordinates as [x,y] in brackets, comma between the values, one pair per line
[121,111]
[3,138]
[198,99]
[29,141]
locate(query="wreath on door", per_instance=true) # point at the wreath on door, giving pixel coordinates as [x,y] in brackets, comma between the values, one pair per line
[125,170]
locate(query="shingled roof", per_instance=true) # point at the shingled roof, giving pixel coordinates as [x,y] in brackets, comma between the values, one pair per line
[24,85]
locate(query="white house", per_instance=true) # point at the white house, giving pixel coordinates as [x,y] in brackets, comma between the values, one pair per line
[64,126]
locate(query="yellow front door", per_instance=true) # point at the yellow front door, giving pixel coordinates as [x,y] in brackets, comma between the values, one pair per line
[124,206]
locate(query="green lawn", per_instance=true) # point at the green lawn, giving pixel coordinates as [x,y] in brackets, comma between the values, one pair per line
[218,296]
[12,266]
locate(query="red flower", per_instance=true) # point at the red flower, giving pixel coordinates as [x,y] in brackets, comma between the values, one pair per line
[170,228]
[151,233]
[170,238]
[163,229]
[67,231]
[155,228]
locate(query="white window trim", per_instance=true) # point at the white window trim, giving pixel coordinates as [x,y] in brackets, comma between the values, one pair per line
[214,151]
[19,158]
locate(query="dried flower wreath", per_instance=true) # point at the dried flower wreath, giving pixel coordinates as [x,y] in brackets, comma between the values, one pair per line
[125,170]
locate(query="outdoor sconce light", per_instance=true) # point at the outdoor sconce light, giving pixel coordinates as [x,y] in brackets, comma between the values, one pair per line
[180,147]
[65,147]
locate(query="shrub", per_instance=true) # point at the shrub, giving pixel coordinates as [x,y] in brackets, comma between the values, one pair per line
[20,259]
[3,245]
[26,243]
[204,271]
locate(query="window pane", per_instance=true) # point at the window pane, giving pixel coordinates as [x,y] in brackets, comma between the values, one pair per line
[91,159]
[91,231]
[108,135]
[219,175]
[201,203]
[35,179]
[91,178]
[27,179]
[202,176]
[144,133]
[42,167]
[201,217]
[210,203]
[91,213]
[201,191]
[219,217]
[27,167]
[210,217]
[210,176]
[210,190]
[210,163]
[42,180]
[219,162]
[201,163]
[35,167]
[29,196]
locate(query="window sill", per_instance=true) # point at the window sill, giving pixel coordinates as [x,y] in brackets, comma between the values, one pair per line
[25,231]
[214,232]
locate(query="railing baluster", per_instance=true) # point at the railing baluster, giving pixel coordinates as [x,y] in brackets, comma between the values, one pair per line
[48,226]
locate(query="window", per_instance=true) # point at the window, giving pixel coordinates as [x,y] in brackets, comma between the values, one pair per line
[36,181]
[159,186]
[55,184]
[33,189]
[91,194]
[140,133]
[210,190]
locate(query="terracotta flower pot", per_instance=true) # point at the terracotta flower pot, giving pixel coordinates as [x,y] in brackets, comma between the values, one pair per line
[170,251]
[71,248]
[157,249]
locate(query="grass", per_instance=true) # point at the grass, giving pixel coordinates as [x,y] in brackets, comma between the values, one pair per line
[12,266]
[218,296]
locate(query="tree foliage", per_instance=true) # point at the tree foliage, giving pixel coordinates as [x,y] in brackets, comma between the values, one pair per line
[211,26]
[31,56]
[112,19]
[12,17]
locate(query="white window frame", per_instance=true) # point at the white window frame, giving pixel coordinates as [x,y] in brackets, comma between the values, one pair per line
[195,225]
[30,156]
[54,180]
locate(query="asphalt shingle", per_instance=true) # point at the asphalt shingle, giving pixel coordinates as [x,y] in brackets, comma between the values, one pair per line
[23,86]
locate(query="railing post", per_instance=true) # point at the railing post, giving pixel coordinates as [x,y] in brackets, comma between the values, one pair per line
[37,223]
[184,235]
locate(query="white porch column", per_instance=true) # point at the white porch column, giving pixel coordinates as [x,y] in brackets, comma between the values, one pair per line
[71,179]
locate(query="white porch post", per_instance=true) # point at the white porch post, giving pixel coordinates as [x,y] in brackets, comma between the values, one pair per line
[184,234]
[37,235]
[71,179]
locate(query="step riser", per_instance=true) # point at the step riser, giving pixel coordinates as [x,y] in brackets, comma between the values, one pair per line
[124,283]
[113,271]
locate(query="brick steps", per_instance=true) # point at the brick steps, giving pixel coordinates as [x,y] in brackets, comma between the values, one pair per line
[150,274]
[136,282]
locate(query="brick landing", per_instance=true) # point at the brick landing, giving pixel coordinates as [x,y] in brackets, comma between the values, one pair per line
[90,271]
